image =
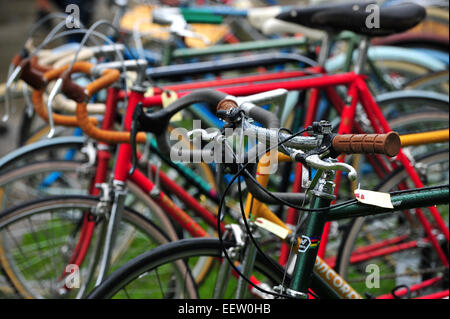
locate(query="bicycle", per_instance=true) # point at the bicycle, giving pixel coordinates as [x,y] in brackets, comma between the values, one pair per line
[350,50]
[237,243]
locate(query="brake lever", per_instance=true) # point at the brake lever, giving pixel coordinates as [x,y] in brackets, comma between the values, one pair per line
[29,110]
[55,90]
[135,126]
[13,77]
[316,162]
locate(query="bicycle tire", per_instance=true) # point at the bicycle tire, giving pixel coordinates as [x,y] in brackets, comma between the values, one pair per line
[435,81]
[182,249]
[405,100]
[55,148]
[144,233]
[148,207]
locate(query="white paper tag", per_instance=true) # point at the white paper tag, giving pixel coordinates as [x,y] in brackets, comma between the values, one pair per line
[167,98]
[272,227]
[373,198]
[150,92]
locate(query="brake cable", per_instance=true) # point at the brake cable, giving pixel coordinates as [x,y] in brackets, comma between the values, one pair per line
[221,203]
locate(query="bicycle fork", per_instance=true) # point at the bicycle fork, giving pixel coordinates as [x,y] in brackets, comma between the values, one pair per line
[249,251]
[110,233]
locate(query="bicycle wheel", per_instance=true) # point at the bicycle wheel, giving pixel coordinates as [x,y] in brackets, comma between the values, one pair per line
[396,104]
[146,268]
[38,240]
[41,179]
[52,178]
[58,148]
[435,81]
[395,242]
[397,73]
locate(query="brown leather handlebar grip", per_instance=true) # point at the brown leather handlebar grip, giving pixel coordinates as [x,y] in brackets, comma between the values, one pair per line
[32,72]
[69,88]
[31,75]
[108,77]
[16,60]
[35,64]
[72,90]
[38,100]
[388,144]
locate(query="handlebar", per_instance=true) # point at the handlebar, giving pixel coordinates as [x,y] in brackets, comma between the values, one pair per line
[158,122]
[31,72]
[229,107]
[108,77]
[68,87]
[388,144]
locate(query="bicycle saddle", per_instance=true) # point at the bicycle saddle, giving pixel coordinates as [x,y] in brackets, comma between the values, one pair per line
[359,17]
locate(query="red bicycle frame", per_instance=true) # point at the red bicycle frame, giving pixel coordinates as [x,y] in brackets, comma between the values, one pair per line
[312,78]
[315,78]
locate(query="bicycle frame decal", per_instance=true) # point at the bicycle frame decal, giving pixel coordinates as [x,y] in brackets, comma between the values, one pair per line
[334,280]
[314,242]
[308,242]
[304,244]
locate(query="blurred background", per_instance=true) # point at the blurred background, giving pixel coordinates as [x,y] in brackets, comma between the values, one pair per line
[16,18]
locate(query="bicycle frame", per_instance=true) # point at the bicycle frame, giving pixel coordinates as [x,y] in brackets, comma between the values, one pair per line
[336,285]
[355,80]
[123,164]
[314,78]
[358,93]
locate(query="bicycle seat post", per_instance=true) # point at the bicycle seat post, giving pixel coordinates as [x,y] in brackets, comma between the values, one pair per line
[325,49]
[363,49]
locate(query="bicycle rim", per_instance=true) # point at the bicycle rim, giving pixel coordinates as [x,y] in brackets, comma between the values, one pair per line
[38,238]
[148,264]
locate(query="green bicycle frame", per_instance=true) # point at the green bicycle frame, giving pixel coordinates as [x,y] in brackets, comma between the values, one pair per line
[303,276]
